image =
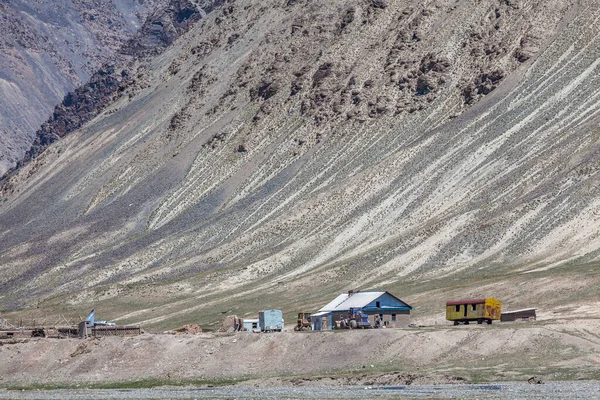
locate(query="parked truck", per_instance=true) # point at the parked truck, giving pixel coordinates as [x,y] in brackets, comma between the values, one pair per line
[271,320]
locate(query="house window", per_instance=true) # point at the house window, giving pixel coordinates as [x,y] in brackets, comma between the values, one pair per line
[457,308]
[254,325]
[393,317]
[378,304]
[474,306]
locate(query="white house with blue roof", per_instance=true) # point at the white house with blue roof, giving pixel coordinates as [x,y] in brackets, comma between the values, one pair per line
[390,310]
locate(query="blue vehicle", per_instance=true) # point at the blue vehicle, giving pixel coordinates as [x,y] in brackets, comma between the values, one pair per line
[356,319]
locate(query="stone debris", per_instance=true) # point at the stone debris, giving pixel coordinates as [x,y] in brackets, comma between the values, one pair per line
[534,380]
[191,329]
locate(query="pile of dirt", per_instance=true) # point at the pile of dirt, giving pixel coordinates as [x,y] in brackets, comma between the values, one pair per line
[190,329]
[232,323]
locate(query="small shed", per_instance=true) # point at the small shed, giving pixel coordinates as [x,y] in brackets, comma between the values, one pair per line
[84,329]
[392,311]
[526,314]
[252,324]
[320,319]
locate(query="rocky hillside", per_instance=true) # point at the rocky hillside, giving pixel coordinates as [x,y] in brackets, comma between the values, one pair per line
[47,48]
[111,81]
[282,151]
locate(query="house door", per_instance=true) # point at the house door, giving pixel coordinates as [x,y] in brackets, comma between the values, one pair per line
[317,324]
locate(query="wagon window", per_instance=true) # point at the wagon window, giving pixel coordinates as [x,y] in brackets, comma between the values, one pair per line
[474,307]
[457,308]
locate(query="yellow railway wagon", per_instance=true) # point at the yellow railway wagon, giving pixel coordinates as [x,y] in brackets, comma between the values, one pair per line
[477,310]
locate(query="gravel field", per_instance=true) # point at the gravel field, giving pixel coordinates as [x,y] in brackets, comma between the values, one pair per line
[512,391]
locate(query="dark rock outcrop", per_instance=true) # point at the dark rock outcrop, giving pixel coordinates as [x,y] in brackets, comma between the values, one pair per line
[483,85]
[50,47]
[162,28]
[78,107]
[159,31]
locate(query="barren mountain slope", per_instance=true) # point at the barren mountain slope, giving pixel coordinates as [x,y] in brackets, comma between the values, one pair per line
[49,47]
[282,151]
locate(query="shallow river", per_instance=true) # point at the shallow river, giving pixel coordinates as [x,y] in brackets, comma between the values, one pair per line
[508,391]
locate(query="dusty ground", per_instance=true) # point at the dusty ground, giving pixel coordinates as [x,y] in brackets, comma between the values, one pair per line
[552,350]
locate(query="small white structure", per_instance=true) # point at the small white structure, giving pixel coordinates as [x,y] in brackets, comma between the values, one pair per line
[252,324]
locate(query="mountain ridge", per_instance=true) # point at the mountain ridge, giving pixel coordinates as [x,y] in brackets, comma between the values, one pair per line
[114,78]
[48,49]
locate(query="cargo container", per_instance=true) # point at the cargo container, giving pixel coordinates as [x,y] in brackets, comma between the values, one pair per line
[473,310]
[271,320]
